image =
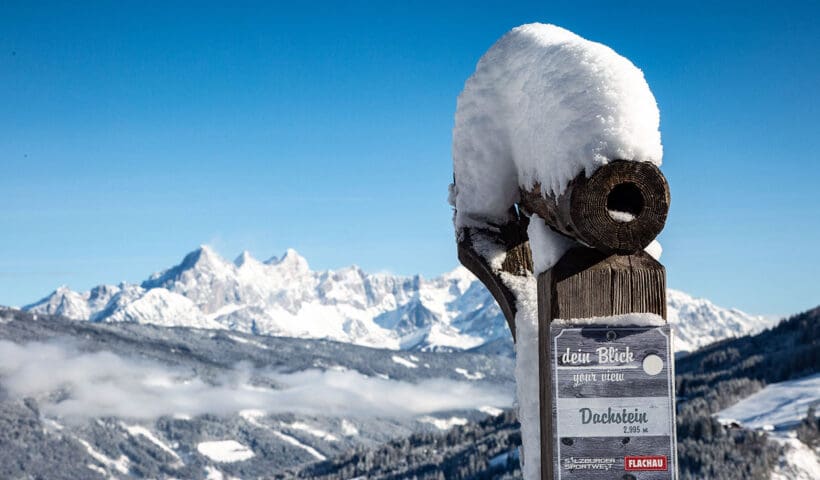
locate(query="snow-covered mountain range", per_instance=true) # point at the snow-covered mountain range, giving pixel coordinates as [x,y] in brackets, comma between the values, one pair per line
[284,297]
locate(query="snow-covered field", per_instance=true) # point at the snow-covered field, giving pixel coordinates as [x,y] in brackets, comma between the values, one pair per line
[779,407]
[444,423]
[798,463]
[225,451]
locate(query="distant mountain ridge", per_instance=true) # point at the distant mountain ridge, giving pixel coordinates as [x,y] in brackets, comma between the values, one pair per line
[284,297]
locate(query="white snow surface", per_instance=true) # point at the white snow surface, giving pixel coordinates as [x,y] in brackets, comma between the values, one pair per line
[654,249]
[622,217]
[491,411]
[779,405]
[286,298]
[547,246]
[777,409]
[225,451]
[120,464]
[311,430]
[444,423]
[296,443]
[469,376]
[799,462]
[212,473]
[633,319]
[139,430]
[526,370]
[543,106]
[253,417]
[403,362]
[349,428]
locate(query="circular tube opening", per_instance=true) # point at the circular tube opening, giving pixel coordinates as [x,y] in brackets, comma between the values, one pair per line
[624,202]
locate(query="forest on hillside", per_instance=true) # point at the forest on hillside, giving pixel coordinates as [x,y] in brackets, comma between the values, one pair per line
[706,381]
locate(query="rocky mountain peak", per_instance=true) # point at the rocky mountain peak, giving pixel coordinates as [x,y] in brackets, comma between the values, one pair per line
[292,260]
[245,258]
[284,297]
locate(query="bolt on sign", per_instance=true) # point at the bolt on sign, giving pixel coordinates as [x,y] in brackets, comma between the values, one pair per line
[614,412]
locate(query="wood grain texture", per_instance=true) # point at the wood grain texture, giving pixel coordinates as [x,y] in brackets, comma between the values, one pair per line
[512,238]
[585,210]
[613,215]
[588,283]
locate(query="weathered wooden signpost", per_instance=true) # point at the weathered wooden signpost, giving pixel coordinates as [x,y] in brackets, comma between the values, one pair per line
[605,367]
[557,196]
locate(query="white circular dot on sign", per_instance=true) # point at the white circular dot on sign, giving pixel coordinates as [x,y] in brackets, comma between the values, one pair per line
[652,364]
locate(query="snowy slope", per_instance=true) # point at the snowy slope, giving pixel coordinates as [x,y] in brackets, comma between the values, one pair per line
[778,407]
[799,462]
[284,297]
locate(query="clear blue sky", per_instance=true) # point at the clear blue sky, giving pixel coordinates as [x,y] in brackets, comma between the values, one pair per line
[130,134]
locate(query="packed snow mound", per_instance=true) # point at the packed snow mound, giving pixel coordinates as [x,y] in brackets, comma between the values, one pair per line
[543,106]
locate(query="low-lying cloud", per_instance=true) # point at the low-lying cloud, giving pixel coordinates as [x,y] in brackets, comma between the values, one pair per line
[68,382]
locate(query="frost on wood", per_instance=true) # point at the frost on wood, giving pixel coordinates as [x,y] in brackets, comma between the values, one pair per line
[543,106]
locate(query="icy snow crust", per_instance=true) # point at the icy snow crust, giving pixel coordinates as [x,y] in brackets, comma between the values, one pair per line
[543,106]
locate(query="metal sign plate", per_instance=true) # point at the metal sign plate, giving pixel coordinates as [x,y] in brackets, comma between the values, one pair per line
[613,402]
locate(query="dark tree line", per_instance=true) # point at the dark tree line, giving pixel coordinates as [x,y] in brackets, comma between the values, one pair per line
[725,371]
[707,381]
[478,450]
[809,429]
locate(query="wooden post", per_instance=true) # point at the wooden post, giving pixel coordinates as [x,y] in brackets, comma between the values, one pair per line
[587,284]
[511,238]
[612,215]
[621,208]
